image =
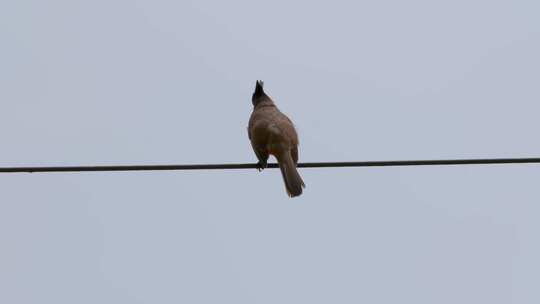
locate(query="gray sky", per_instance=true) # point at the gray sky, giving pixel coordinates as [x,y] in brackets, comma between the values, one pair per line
[159,82]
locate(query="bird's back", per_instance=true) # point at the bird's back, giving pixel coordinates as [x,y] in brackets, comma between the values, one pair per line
[267,125]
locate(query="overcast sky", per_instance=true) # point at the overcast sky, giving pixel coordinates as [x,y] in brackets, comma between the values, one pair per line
[170,82]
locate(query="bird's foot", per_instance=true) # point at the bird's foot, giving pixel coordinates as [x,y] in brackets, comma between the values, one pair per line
[261,165]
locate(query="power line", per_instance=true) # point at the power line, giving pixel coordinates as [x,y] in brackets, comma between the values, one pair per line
[390,163]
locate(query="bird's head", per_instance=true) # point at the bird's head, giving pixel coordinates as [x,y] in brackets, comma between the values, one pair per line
[259,95]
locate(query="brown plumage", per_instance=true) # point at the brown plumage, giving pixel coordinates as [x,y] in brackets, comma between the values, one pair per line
[271,132]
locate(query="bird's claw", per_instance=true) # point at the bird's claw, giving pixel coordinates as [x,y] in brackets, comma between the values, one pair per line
[261,166]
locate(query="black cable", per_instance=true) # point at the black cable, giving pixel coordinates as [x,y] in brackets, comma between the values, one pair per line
[435,162]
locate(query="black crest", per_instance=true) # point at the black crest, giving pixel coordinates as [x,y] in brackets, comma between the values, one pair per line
[259,91]
[259,95]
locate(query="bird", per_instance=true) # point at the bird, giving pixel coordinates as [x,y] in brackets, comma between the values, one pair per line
[272,133]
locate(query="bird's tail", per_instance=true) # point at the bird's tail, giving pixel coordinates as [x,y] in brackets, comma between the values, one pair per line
[291,177]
